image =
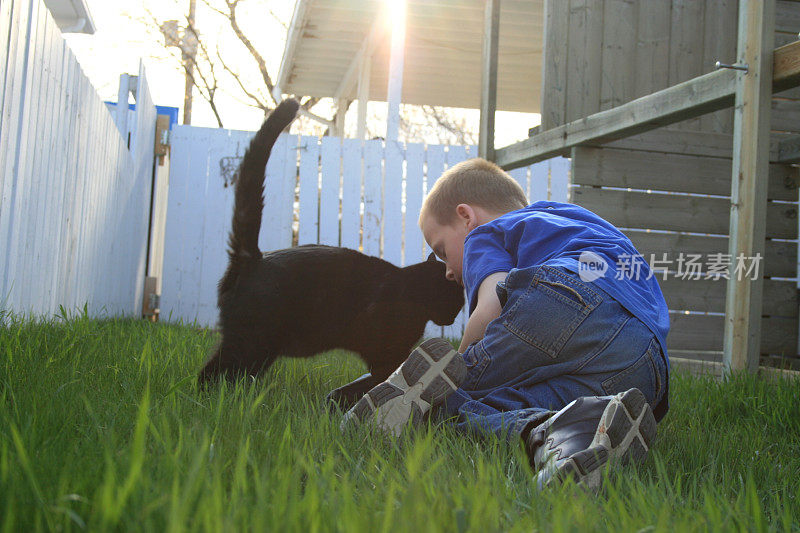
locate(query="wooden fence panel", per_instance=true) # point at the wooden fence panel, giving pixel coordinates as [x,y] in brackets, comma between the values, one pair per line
[6,27]
[719,44]
[140,189]
[598,54]
[217,203]
[703,332]
[780,257]
[352,172]
[275,194]
[539,182]
[455,155]
[607,167]
[308,218]
[706,294]
[20,203]
[330,163]
[74,199]
[685,213]
[616,37]
[379,220]
[652,48]
[520,175]
[688,223]
[392,203]
[559,181]
[373,191]
[585,41]
[555,55]
[184,232]
[41,206]
[435,158]
[413,249]
[686,47]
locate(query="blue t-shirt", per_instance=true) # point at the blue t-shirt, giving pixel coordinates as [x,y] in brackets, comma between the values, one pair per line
[572,237]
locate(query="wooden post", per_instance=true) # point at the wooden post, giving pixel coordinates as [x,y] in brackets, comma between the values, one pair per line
[395,89]
[363,95]
[341,111]
[491,37]
[742,337]
[188,54]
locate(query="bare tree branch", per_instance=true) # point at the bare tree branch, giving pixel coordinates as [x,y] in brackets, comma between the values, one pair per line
[278,19]
[426,123]
[262,65]
[258,103]
[209,86]
[210,6]
[443,120]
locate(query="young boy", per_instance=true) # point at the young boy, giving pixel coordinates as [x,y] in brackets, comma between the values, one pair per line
[564,346]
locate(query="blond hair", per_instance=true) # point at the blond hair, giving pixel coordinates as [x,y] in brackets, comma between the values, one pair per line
[476,182]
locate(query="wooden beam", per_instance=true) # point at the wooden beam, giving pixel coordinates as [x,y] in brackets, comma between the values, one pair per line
[789,150]
[786,67]
[692,98]
[698,367]
[292,37]
[741,345]
[701,95]
[363,96]
[491,38]
[341,110]
[351,76]
[394,88]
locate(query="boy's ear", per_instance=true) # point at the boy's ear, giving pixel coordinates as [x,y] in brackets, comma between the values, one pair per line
[467,214]
[432,257]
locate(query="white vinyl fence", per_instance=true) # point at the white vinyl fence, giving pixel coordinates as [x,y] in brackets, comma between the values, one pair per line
[365,196]
[75,191]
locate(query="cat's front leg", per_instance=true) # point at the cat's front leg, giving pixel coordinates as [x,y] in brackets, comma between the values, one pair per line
[346,396]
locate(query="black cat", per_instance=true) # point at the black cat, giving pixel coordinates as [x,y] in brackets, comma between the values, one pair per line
[305,300]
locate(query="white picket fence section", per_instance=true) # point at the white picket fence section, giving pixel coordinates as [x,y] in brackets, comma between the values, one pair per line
[75,198]
[360,195]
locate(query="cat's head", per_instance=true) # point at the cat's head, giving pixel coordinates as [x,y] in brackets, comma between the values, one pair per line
[442,298]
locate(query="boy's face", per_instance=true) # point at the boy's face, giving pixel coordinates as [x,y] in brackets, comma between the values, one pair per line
[447,242]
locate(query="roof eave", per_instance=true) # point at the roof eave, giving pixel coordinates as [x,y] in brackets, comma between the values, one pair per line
[292,36]
[72,16]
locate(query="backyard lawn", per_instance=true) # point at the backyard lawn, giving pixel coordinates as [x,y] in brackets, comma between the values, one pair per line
[102,427]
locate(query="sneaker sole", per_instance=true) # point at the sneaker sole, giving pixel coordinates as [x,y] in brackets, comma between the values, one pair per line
[625,433]
[430,374]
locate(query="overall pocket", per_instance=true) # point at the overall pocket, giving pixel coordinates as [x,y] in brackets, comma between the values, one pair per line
[549,310]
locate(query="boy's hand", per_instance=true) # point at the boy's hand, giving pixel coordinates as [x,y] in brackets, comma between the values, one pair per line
[487,309]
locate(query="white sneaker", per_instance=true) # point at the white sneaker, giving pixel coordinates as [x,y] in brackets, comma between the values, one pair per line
[429,375]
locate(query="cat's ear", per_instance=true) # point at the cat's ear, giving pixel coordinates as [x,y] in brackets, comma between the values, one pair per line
[432,257]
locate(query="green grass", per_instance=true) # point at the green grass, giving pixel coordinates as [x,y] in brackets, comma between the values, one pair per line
[102,428]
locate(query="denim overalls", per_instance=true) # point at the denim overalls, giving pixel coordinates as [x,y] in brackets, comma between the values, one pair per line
[556,339]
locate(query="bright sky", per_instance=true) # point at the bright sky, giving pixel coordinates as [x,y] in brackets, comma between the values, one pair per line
[124,36]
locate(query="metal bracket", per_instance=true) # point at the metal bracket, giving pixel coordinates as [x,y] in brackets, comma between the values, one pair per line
[718,65]
[162,138]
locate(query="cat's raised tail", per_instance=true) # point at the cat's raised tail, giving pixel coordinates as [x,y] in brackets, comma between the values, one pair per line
[249,194]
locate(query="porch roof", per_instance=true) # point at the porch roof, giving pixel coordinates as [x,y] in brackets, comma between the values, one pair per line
[443,46]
